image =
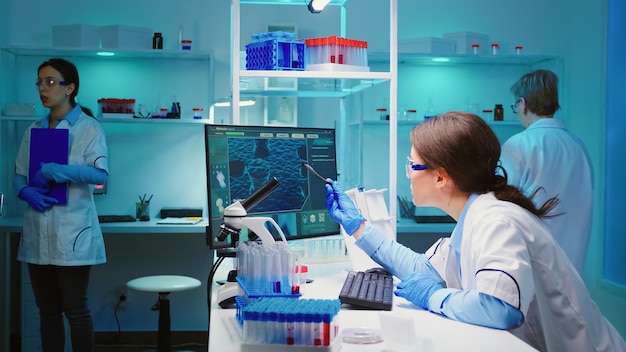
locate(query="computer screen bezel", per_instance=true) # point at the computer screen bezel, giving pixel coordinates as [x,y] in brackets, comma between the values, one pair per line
[315,185]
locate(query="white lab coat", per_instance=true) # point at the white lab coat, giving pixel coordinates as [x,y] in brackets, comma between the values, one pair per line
[510,254]
[547,155]
[68,235]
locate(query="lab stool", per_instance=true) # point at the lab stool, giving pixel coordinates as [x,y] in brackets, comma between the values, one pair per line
[163,285]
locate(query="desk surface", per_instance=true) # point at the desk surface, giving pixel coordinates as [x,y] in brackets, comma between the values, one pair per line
[14,224]
[433,331]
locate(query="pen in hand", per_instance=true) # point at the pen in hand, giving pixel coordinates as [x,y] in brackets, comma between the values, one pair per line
[312,170]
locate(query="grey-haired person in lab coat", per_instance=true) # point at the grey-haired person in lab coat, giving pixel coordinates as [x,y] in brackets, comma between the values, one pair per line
[548,157]
[501,267]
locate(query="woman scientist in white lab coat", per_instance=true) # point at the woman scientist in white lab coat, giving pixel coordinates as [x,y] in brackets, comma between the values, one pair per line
[61,242]
[501,267]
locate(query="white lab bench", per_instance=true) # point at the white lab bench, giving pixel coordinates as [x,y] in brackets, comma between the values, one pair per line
[433,331]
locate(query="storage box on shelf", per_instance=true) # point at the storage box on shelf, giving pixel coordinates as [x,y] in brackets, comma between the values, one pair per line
[126,37]
[427,45]
[466,40]
[76,36]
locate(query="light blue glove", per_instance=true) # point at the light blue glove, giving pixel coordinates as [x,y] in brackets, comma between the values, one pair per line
[73,173]
[417,288]
[341,208]
[36,198]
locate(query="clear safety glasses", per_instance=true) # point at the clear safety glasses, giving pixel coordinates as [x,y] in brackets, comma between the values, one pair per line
[413,166]
[514,106]
[49,83]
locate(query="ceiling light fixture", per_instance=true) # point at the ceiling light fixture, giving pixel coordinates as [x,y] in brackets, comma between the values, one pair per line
[316,6]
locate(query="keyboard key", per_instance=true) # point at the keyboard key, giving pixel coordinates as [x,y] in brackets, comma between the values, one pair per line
[367,290]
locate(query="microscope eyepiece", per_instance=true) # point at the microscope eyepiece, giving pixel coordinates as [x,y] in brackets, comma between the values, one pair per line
[260,194]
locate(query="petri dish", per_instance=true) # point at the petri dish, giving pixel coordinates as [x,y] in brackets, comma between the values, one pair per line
[362,336]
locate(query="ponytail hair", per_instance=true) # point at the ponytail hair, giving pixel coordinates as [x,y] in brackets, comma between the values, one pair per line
[468,149]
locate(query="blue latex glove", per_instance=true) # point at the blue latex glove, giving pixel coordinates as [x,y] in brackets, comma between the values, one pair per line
[341,208]
[417,288]
[73,173]
[37,199]
[39,181]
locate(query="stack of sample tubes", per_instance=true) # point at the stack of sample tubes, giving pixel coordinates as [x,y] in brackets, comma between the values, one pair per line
[266,269]
[336,50]
[291,321]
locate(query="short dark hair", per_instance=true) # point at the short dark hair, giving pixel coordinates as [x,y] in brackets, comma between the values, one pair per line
[70,75]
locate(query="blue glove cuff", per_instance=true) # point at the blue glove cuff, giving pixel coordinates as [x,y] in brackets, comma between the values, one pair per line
[351,225]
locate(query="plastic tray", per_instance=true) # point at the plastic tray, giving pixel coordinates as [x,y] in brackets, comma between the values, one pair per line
[255,292]
[275,54]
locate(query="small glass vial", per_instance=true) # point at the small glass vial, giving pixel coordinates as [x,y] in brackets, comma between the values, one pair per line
[498,113]
[487,114]
[495,47]
[162,113]
[382,114]
[475,48]
[185,44]
[157,41]
[411,115]
[197,113]
[518,49]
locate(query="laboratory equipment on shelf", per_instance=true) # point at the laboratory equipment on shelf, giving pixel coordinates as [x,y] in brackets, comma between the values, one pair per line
[382,114]
[197,113]
[498,113]
[495,48]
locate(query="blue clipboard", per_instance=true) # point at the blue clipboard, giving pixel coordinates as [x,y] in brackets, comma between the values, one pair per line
[49,145]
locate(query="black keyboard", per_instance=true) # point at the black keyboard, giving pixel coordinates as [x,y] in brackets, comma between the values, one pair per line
[368,290]
[116,218]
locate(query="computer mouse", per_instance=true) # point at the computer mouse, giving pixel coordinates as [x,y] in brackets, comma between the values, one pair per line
[379,271]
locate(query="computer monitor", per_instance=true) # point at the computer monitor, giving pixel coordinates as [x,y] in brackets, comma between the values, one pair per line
[242,159]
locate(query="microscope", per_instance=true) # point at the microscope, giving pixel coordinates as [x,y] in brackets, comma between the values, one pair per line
[235,218]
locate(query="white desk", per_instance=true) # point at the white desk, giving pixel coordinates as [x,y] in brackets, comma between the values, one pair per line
[436,332]
[9,226]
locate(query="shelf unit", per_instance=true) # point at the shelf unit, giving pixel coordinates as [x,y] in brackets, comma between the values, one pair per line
[322,84]
[11,56]
[486,77]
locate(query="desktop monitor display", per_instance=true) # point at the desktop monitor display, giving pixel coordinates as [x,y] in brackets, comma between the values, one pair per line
[242,159]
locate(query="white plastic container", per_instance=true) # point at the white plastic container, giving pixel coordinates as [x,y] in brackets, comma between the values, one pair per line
[76,36]
[465,40]
[427,45]
[126,37]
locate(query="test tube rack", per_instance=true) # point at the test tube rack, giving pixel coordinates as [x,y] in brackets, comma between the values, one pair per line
[275,51]
[275,324]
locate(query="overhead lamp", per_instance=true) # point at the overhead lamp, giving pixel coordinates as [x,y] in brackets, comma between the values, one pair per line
[225,102]
[316,6]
